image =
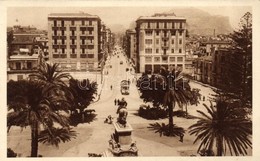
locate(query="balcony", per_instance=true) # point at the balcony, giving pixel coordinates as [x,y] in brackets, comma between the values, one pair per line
[83,55]
[55,28]
[73,37]
[73,55]
[63,55]
[63,28]
[63,37]
[55,55]
[63,46]
[73,28]
[83,46]
[165,38]
[165,46]
[73,46]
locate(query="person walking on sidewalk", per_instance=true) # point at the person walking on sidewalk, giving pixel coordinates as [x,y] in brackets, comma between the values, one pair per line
[111,87]
[115,101]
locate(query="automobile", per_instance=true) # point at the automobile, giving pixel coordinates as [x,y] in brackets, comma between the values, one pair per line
[121,62]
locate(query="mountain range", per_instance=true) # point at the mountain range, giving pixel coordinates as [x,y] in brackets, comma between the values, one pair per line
[198,22]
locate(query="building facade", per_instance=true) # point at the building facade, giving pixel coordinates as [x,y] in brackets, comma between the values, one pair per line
[131,45]
[25,52]
[160,41]
[74,40]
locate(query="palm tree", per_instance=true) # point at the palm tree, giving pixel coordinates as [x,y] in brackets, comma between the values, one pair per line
[51,74]
[83,93]
[33,103]
[224,126]
[169,88]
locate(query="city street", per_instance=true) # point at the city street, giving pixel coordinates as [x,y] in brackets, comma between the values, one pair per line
[94,137]
[165,82]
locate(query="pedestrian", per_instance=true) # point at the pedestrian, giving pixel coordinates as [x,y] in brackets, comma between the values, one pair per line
[115,102]
[111,87]
[203,98]
[181,138]
[118,102]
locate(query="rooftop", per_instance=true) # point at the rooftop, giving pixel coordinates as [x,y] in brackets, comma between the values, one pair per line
[71,15]
[162,16]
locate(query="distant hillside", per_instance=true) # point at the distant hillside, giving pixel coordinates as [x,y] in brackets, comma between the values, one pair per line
[201,22]
[117,28]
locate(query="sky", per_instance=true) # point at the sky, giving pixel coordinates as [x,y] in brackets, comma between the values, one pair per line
[37,16]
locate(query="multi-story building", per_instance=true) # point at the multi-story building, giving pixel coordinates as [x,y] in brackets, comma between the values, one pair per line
[210,45]
[203,69]
[130,46]
[74,40]
[220,69]
[160,41]
[24,53]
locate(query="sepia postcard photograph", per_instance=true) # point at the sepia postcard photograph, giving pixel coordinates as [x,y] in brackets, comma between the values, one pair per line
[128,79]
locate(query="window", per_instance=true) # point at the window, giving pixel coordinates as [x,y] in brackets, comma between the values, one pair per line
[29,65]
[180,51]
[157,33]
[180,25]
[18,66]
[90,32]
[72,22]
[62,23]
[179,59]
[73,33]
[180,41]
[63,41]
[148,25]
[55,23]
[173,33]
[148,59]
[157,41]
[156,59]
[172,59]
[148,50]
[165,25]
[172,41]
[82,22]
[83,51]
[148,33]
[83,31]
[172,50]
[180,33]
[83,41]
[63,51]
[73,51]
[157,25]
[157,51]
[55,50]
[73,41]
[62,32]
[55,32]
[90,47]
[55,41]
[90,23]
[173,25]
[148,41]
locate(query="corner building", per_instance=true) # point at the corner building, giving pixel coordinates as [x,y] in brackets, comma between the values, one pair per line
[74,40]
[160,42]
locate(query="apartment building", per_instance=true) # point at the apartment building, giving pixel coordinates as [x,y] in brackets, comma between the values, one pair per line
[74,40]
[131,45]
[160,41]
[24,52]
